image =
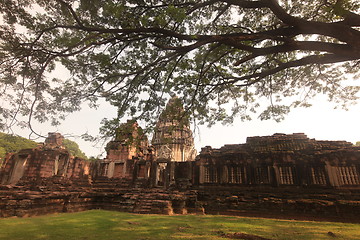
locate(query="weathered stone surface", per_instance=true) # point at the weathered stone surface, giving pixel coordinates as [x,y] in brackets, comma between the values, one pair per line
[45,161]
[281,160]
[283,176]
[173,140]
[294,203]
[127,155]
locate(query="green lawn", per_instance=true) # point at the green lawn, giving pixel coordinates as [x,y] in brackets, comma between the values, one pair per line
[103,225]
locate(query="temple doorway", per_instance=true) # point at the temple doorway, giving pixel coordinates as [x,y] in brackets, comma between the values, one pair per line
[162,176]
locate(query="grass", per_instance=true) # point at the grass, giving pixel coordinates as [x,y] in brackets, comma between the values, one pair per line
[99,224]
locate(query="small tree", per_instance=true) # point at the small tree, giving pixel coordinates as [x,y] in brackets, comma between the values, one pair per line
[13,143]
[74,149]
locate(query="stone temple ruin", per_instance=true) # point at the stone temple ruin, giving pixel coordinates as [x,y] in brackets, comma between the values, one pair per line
[46,161]
[281,175]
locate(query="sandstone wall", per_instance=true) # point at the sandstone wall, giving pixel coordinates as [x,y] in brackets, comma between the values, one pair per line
[279,176]
[58,195]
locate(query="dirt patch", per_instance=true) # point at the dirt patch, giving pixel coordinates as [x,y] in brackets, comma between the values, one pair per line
[133,223]
[243,236]
[182,229]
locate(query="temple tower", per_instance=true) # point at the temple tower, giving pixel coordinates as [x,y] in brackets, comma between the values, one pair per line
[173,140]
[128,147]
[54,140]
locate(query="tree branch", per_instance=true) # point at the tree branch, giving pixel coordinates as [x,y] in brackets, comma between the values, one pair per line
[314,59]
[350,18]
[71,10]
[248,4]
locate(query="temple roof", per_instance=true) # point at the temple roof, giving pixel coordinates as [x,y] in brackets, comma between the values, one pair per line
[279,143]
[174,112]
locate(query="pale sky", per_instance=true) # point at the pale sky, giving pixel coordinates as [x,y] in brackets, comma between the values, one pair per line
[321,121]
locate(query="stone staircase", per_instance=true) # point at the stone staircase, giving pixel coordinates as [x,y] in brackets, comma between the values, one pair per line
[124,195]
[155,201]
[104,184]
[64,195]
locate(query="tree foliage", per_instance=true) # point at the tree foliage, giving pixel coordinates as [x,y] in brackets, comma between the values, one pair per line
[12,143]
[74,149]
[128,134]
[223,58]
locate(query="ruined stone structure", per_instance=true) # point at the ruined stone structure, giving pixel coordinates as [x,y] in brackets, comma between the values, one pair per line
[282,160]
[130,157]
[54,140]
[288,176]
[281,175]
[173,143]
[48,160]
[127,155]
[173,139]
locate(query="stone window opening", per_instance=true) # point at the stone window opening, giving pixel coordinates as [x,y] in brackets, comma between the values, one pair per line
[105,169]
[287,175]
[348,175]
[119,170]
[161,175]
[60,165]
[318,176]
[236,174]
[141,171]
[262,175]
[210,174]
[19,168]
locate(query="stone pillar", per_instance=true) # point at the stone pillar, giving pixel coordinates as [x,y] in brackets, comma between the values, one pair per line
[276,175]
[147,170]
[167,175]
[331,173]
[171,173]
[56,166]
[110,171]
[201,174]
[153,174]
[195,173]
[301,175]
[251,174]
[124,168]
[274,172]
[224,175]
